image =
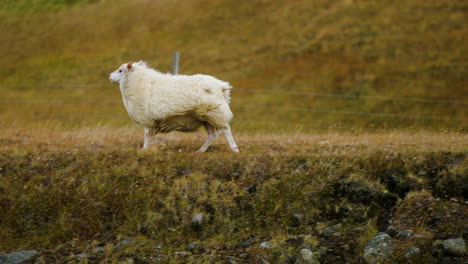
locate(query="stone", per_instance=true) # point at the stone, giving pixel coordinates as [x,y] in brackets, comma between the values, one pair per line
[99,249]
[359,229]
[378,248]
[296,220]
[246,243]
[331,230]
[392,231]
[192,246]
[405,234]
[84,256]
[158,245]
[413,254]
[197,221]
[263,261]
[125,242]
[306,256]
[182,253]
[454,246]
[20,257]
[266,244]
[231,260]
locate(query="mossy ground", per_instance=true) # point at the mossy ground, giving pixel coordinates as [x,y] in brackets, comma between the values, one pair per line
[94,191]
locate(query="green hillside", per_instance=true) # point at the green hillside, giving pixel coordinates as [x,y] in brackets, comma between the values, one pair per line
[312,64]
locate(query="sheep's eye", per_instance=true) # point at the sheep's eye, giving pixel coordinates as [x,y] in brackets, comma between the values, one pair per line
[120,70]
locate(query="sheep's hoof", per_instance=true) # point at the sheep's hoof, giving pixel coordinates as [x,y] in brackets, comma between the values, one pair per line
[235,150]
[200,150]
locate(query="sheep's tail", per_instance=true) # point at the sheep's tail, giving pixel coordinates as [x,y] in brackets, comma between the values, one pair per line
[226,88]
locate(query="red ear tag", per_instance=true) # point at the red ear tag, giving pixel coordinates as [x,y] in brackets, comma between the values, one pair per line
[129,66]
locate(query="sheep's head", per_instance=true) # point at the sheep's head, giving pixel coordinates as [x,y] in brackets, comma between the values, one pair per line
[117,75]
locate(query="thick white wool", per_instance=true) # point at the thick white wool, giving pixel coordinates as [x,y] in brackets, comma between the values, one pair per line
[165,102]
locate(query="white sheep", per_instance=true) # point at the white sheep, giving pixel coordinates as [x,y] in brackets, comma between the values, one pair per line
[163,103]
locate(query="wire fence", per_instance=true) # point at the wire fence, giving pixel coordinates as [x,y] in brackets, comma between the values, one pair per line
[246,106]
[285,92]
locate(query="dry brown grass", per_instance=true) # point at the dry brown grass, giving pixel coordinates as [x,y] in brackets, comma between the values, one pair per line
[111,139]
[397,49]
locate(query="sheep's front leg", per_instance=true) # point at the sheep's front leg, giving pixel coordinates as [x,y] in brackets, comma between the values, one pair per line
[147,138]
[228,134]
[211,136]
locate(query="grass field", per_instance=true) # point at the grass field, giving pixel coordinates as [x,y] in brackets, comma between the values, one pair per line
[348,112]
[355,59]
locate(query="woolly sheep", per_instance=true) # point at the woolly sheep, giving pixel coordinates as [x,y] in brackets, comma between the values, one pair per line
[163,103]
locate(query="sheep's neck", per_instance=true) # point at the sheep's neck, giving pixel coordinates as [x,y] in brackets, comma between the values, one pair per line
[134,102]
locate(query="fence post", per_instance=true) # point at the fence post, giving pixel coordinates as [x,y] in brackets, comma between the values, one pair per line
[175,63]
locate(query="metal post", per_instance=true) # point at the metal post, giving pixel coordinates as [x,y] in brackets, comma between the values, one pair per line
[175,65]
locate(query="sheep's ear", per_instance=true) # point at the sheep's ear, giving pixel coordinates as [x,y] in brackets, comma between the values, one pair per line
[129,66]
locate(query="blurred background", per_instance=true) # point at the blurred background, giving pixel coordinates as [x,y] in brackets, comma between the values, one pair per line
[303,65]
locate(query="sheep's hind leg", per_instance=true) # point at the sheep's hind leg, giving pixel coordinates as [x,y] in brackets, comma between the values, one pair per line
[211,136]
[147,138]
[228,134]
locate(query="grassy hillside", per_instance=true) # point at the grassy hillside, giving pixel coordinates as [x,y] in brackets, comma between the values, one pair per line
[350,113]
[374,52]
[91,191]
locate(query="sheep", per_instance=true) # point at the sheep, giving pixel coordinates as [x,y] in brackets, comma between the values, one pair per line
[162,103]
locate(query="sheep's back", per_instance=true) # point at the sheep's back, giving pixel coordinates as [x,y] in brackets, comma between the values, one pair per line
[165,96]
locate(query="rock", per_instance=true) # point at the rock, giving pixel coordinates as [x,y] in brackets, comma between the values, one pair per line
[331,230]
[182,253]
[378,248]
[158,245]
[359,229]
[263,261]
[128,261]
[125,242]
[197,221]
[192,246]
[266,244]
[413,254]
[231,260]
[296,220]
[20,257]
[306,256]
[247,243]
[84,256]
[392,231]
[99,249]
[184,172]
[405,234]
[454,246]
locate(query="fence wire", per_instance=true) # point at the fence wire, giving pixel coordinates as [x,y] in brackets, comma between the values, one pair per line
[286,92]
[246,106]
